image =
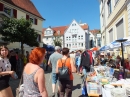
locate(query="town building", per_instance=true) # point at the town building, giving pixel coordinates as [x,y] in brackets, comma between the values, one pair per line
[114,20]
[75,36]
[51,33]
[95,38]
[22,9]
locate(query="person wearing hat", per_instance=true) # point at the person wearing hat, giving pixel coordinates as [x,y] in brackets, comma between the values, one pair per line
[52,63]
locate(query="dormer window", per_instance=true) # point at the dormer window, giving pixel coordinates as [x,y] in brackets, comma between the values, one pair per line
[8,11]
[48,32]
[58,32]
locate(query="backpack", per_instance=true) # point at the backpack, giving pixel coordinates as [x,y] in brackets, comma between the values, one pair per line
[63,72]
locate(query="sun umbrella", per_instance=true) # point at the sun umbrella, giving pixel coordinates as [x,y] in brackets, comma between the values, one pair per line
[104,48]
[127,43]
[115,44]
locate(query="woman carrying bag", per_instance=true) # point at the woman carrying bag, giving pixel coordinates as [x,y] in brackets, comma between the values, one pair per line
[65,67]
[5,73]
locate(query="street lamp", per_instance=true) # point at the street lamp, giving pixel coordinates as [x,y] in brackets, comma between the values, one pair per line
[122,61]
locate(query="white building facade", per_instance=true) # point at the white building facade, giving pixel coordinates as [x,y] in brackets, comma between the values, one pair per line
[95,38]
[76,36]
[114,20]
[49,35]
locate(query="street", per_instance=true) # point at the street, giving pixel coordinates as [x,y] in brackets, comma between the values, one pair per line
[76,84]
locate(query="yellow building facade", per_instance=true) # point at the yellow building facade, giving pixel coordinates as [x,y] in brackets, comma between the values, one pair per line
[114,20]
[28,11]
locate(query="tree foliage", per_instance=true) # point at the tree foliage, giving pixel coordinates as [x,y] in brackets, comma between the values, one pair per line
[57,41]
[18,30]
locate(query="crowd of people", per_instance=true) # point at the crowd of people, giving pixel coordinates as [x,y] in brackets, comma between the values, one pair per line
[111,60]
[63,63]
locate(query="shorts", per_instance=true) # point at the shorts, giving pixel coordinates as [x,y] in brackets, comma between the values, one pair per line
[54,78]
[4,82]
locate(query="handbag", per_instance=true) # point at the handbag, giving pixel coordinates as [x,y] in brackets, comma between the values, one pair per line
[20,89]
[63,72]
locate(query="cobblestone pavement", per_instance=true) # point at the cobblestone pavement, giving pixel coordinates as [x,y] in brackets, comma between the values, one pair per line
[76,85]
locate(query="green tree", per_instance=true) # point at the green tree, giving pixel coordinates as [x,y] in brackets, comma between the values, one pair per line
[57,41]
[18,30]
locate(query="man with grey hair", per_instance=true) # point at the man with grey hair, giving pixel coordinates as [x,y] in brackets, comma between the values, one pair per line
[52,63]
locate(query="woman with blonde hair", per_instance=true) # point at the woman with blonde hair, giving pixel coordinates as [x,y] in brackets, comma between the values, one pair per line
[33,75]
[5,73]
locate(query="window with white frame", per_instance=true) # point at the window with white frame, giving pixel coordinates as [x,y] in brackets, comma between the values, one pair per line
[8,11]
[69,38]
[73,24]
[69,45]
[78,37]
[82,44]
[120,29]
[111,35]
[81,36]
[79,44]
[31,19]
[48,32]
[109,7]
[66,38]
[66,45]
[58,32]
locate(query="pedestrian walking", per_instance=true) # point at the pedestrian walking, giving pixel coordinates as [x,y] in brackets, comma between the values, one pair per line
[13,60]
[78,61]
[66,84]
[52,63]
[33,75]
[47,59]
[5,73]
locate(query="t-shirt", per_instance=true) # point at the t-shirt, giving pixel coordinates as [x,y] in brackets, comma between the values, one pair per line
[53,59]
[4,64]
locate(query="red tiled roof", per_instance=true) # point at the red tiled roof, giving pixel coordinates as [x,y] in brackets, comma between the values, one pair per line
[62,29]
[85,27]
[95,31]
[26,5]
[56,29]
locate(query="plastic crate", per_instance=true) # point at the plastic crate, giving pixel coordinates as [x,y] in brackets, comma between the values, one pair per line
[93,88]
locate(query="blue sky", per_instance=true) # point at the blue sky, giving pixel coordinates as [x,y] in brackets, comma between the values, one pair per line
[62,12]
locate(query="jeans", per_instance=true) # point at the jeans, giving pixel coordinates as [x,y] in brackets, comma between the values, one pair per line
[84,71]
[54,78]
[66,87]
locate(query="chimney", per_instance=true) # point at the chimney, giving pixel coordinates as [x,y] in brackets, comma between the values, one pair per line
[80,22]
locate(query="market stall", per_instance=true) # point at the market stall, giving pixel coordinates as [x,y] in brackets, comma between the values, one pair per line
[108,82]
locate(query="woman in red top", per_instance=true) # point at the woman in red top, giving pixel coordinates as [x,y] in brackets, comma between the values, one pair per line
[66,85]
[127,65]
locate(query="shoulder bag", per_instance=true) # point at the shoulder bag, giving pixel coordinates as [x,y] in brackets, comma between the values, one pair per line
[20,89]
